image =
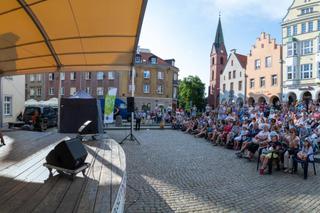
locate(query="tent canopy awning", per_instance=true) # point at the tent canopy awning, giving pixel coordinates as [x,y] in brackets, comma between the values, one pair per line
[68,35]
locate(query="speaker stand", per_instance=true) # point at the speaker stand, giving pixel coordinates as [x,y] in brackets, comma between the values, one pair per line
[130,136]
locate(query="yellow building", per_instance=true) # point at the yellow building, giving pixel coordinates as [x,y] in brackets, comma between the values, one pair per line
[301,51]
[156,82]
[264,71]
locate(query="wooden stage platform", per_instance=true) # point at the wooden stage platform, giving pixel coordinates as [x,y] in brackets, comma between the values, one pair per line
[25,185]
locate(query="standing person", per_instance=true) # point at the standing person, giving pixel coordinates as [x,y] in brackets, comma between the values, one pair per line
[138,120]
[1,138]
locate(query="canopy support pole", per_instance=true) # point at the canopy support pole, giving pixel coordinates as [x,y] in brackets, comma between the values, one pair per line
[59,99]
[1,103]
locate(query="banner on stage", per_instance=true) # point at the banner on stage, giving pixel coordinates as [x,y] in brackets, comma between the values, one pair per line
[109,105]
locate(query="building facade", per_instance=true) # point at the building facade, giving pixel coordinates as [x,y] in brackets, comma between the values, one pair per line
[264,71]
[218,60]
[46,86]
[13,97]
[301,51]
[233,80]
[156,82]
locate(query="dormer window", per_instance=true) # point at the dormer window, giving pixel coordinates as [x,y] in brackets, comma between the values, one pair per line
[138,59]
[153,60]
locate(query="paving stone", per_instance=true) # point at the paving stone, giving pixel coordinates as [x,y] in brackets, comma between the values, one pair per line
[174,172]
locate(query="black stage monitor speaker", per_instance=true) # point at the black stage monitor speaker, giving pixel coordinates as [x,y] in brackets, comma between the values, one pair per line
[130,104]
[70,154]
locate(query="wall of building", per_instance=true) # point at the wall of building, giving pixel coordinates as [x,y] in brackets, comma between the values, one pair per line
[235,95]
[14,88]
[264,47]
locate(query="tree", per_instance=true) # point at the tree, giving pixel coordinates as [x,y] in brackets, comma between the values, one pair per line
[191,91]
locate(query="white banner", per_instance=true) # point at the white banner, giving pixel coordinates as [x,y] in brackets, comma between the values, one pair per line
[109,102]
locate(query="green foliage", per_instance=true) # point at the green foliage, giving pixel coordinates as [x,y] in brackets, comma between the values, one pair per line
[191,89]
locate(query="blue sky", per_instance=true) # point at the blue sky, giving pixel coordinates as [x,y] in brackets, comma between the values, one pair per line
[185,29]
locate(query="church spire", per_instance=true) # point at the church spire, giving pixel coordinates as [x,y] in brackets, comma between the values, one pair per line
[219,34]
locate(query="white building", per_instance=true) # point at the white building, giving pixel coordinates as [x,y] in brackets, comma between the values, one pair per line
[301,51]
[233,79]
[13,97]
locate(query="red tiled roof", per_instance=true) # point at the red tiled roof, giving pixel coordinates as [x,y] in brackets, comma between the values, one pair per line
[146,56]
[242,59]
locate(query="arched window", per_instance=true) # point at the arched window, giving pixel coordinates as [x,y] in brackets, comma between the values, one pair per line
[221,60]
[212,61]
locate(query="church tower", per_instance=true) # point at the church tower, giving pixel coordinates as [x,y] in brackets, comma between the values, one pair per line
[218,60]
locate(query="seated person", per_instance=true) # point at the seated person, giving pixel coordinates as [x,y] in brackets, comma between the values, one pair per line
[2,139]
[259,141]
[252,134]
[306,150]
[241,138]
[235,131]
[293,147]
[270,152]
[226,130]
[202,132]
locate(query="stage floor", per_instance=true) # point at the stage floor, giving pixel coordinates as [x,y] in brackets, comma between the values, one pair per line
[25,185]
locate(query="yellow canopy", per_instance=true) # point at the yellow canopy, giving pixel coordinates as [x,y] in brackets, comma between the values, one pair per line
[68,35]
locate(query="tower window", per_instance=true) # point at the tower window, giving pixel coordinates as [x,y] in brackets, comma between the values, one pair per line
[221,60]
[212,61]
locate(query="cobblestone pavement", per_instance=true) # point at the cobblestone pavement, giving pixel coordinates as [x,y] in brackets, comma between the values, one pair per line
[174,172]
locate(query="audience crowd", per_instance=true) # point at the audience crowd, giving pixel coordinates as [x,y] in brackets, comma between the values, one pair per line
[283,133]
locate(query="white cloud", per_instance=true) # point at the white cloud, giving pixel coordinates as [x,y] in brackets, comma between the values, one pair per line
[271,9]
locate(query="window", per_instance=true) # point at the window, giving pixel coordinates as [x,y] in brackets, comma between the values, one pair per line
[212,61]
[111,75]
[289,31]
[32,78]
[306,71]
[306,10]
[240,74]
[62,76]
[234,74]
[160,89]
[318,24]
[274,80]
[175,76]
[221,60]
[318,69]
[100,75]
[138,59]
[88,90]
[87,75]
[146,88]
[303,27]
[51,76]
[262,81]
[251,83]
[160,75]
[153,60]
[100,91]
[73,90]
[291,72]
[62,91]
[310,26]
[240,86]
[295,30]
[306,47]
[268,61]
[224,87]
[7,109]
[39,91]
[51,91]
[175,92]
[231,86]
[257,64]
[319,44]
[39,77]
[229,75]
[73,76]
[292,49]
[146,74]
[32,92]
[231,62]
